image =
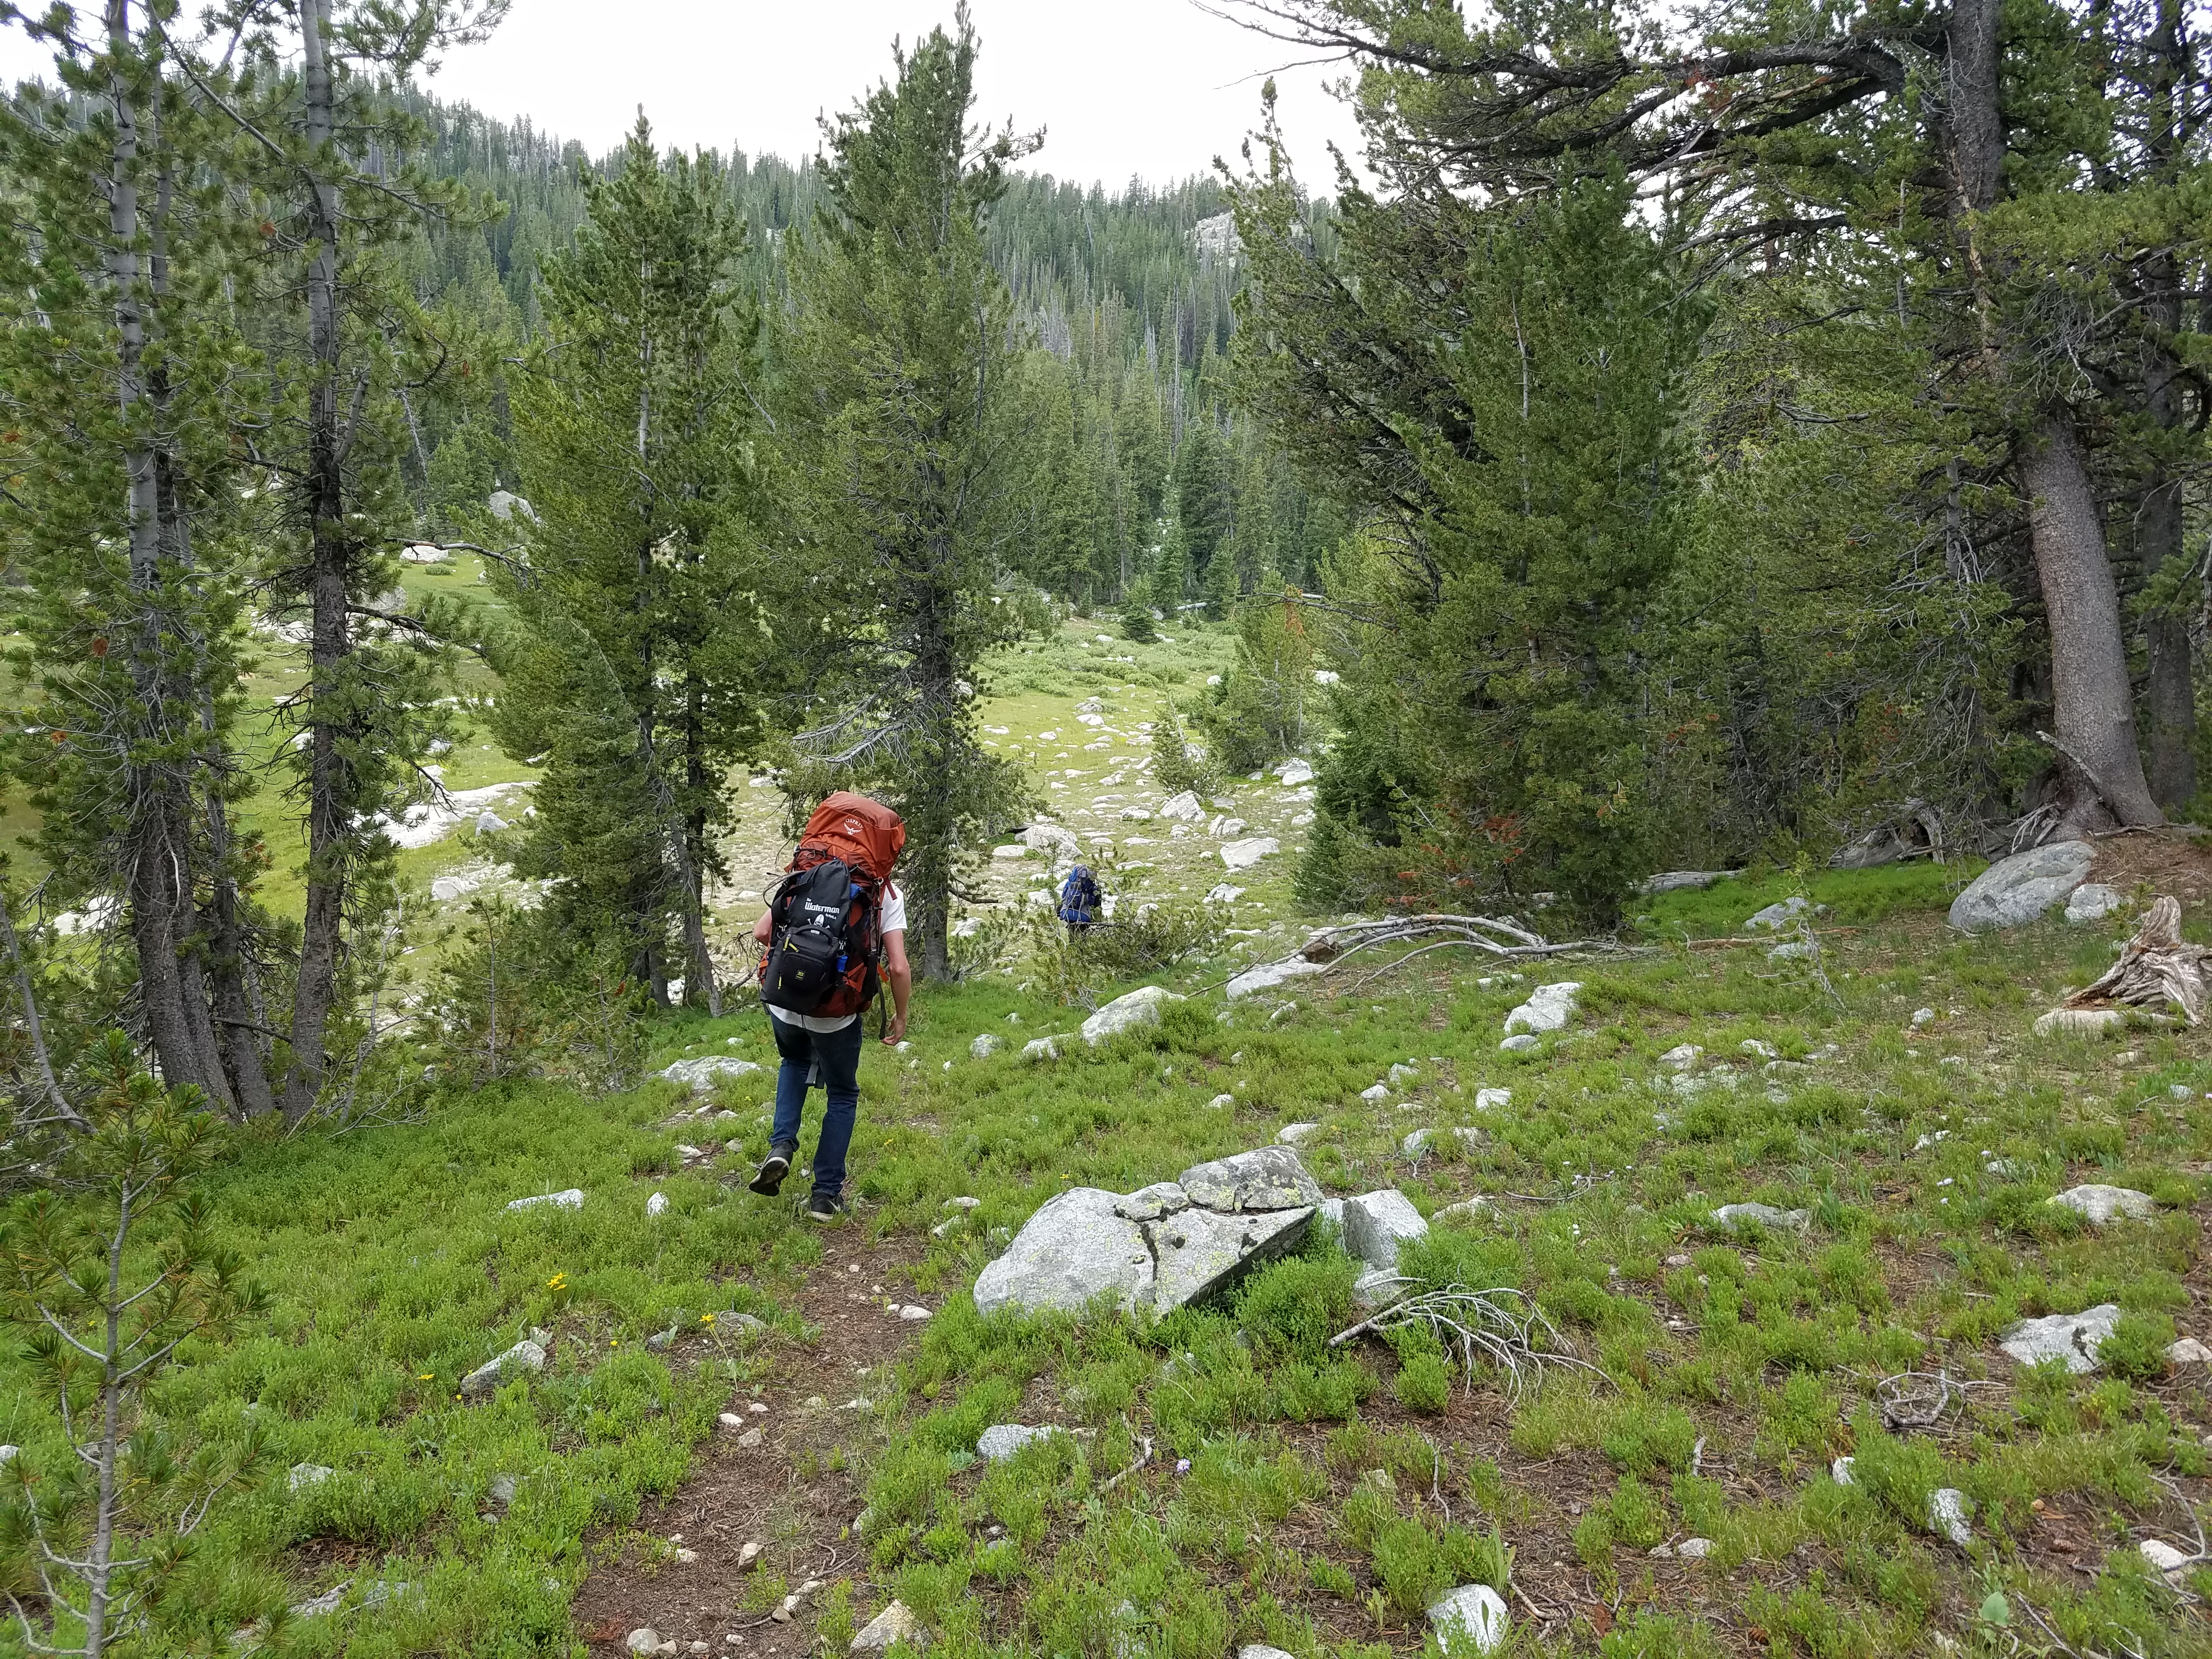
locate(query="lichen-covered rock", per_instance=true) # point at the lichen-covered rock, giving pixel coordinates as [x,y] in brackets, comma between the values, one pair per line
[2016,890]
[524,1356]
[1775,917]
[2071,1339]
[1073,1251]
[1149,1250]
[573,1199]
[1002,1440]
[1947,1515]
[2098,1205]
[985,1045]
[1141,1007]
[1244,854]
[1197,1253]
[1161,1198]
[2083,1022]
[1265,1178]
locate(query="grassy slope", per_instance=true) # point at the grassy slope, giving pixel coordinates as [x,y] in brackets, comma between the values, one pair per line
[1728,1383]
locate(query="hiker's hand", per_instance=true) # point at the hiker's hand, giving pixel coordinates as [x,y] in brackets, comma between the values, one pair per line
[895,1032]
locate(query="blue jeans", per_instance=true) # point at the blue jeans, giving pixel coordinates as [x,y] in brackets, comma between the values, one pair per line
[838,1053]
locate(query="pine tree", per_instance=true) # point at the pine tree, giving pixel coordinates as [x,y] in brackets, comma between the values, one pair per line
[1527,478]
[311,93]
[909,423]
[125,385]
[642,665]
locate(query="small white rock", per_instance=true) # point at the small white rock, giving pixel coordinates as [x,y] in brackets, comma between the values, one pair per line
[1840,1471]
[1296,1134]
[1471,1620]
[1947,1515]
[1694,1549]
[1490,1100]
[2163,1555]
[2188,1351]
[571,1200]
[644,1639]
[912,1312]
[657,1204]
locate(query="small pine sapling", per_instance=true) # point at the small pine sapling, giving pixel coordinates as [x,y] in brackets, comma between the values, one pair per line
[91,1543]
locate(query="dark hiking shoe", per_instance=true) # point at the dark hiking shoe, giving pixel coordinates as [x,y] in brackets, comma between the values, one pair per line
[824,1206]
[769,1182]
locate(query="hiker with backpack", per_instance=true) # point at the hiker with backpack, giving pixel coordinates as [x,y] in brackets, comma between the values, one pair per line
[834,930]
[1079,901]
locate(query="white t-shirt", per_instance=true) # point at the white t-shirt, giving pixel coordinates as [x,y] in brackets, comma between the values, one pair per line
[894,922]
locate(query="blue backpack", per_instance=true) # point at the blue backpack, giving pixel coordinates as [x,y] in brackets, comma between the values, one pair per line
[1078,898]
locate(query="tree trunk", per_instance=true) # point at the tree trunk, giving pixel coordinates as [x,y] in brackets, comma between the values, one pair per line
[157,878]
[2092,700]
[2170,697]
[700,984]
[329,827]
[2092,704]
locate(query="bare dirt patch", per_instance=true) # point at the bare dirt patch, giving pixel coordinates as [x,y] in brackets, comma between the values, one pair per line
[792,1493]
[2171,861]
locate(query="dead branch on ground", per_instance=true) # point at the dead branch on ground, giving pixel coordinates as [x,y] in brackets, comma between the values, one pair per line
[1501,1325]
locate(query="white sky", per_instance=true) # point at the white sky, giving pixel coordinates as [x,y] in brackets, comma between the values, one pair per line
[1155,88]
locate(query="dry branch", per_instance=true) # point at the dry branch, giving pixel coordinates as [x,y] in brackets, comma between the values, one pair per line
[1500,936]
[1501,1325]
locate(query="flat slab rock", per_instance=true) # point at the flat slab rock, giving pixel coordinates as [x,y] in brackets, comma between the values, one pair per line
[2071,1339]
[2098,1205]
[2016,890]
[1161,1247]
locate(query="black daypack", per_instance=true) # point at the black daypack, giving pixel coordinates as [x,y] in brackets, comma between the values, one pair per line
[826,939]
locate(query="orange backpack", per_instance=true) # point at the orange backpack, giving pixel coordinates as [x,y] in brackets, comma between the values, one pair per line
[827,935]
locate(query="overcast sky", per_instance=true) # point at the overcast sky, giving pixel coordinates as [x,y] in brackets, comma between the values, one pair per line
[1154,88]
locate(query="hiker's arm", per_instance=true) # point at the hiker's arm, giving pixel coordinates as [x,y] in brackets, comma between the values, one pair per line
[764,929]
[900,973]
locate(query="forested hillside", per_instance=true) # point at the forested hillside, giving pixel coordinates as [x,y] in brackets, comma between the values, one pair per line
[1128,300]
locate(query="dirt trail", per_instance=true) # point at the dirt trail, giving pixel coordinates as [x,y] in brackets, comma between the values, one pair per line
[782,1492]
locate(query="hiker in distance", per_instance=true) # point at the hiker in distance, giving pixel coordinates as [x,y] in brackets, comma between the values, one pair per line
[834,930]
